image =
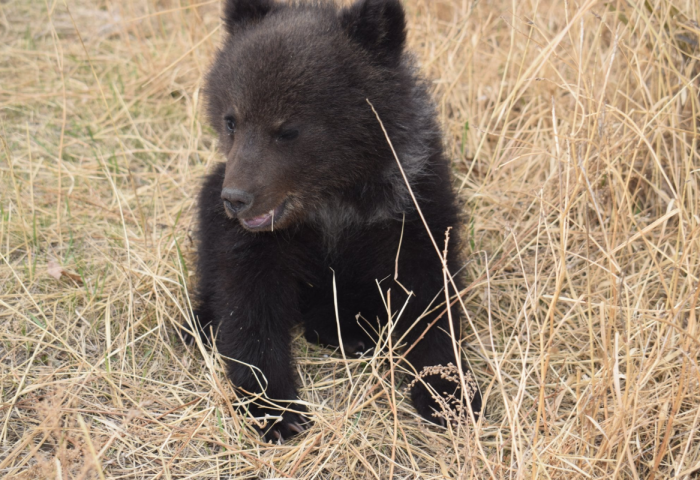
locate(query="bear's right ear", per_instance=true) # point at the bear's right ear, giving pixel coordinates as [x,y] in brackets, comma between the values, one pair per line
[379,26]
[239,13]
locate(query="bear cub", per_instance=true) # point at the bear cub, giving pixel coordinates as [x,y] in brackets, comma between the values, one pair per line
[310,211]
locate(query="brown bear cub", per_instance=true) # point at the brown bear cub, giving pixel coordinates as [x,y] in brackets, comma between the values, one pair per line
[311,194]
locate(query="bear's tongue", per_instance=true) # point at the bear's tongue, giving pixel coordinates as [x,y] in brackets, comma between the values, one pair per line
[259,221]
[265,219]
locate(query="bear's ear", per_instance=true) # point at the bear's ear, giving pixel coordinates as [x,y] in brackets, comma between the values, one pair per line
[379,26]
[239,13]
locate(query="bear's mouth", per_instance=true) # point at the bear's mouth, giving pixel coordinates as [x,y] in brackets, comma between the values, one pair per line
[265,220]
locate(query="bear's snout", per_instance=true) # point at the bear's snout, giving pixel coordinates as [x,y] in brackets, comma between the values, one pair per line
[236,201]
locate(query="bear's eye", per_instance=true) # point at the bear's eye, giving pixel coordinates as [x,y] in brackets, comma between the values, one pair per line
[287,135]
[230,124]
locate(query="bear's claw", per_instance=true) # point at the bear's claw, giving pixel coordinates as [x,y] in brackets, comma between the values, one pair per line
[277,431]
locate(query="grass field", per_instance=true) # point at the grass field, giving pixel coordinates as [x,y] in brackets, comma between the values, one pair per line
[574,130]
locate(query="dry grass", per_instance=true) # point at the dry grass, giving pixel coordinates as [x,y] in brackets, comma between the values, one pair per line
[574,133]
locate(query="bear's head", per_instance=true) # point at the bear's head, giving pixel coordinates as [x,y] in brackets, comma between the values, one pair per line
[287,95]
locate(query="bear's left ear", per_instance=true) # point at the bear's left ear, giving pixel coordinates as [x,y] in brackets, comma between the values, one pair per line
[379,26]
[239,13]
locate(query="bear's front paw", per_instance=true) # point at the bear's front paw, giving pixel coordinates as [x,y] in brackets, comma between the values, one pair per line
[438,396]
[276,429]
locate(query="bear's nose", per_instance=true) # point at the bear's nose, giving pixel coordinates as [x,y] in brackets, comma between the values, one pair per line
[236,201]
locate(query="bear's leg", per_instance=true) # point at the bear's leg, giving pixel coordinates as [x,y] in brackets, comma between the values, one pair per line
[321,327]
[256,313]
[430,347]
[260,361]
[438,383]
[254,305]
[258,307]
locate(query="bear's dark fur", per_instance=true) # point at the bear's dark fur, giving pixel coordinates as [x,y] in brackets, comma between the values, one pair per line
[311,190]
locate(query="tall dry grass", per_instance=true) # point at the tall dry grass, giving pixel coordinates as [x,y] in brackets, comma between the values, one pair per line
[574,133]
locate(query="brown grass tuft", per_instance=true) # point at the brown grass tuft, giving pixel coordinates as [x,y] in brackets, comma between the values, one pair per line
[575,138]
